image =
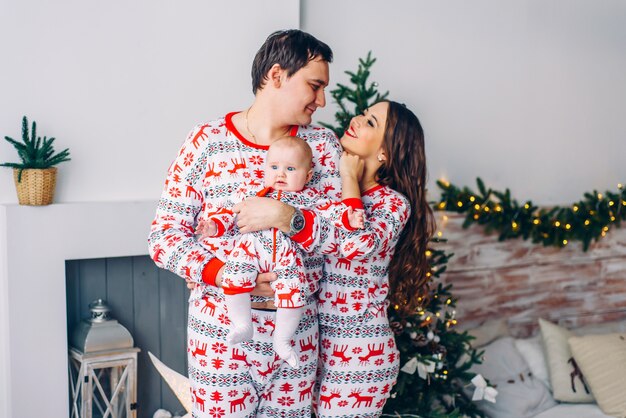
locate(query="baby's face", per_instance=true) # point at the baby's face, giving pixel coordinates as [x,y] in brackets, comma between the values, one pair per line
[287,169]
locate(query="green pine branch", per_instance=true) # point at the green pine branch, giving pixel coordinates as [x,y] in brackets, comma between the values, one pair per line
[33,151]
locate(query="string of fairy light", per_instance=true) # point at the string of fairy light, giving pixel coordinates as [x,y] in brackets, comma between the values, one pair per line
[587,220]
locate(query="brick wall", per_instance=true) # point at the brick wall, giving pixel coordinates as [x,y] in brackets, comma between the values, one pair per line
[523,281]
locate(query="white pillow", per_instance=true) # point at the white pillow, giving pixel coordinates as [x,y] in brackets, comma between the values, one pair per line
[568,384]
[531,350]
[520,394]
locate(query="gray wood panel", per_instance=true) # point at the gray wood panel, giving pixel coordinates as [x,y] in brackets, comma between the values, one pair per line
[151,303]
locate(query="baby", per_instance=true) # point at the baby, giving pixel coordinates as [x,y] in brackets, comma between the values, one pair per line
[287,170]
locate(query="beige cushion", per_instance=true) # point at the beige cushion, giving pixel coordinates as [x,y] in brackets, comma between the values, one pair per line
[602,359]
[567,386]
[489,331]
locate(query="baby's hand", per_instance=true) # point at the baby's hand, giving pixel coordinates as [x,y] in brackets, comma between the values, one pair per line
[356,218]
[206,228]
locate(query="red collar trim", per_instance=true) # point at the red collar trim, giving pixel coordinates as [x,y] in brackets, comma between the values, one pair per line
[231,127]
[372,190]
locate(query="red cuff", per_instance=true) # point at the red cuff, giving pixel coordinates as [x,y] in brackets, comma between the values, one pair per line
[346,222]
[305,237]
[220,227]
[209,274]
[353,202]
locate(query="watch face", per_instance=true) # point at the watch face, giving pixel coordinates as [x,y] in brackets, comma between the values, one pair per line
[298,222]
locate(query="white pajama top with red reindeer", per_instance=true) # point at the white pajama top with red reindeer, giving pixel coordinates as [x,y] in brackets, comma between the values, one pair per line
[246,379]
[359,361]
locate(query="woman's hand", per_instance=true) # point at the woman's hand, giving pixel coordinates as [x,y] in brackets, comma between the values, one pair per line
[259,213]
[351,167]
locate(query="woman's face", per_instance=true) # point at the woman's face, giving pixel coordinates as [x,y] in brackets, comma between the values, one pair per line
[364,136]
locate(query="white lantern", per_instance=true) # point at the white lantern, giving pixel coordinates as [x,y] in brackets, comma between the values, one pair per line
[103,367]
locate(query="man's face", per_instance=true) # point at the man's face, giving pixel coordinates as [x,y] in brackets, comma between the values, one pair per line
[286,169]
[303,92]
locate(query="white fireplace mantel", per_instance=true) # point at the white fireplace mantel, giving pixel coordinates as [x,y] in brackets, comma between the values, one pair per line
[34,244]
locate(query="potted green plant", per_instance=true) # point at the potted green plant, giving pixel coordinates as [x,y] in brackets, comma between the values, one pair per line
[35,176]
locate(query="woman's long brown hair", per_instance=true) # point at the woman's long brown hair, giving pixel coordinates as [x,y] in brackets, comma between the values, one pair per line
[405,171]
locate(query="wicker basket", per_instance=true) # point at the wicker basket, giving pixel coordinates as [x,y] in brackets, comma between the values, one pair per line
[36,187]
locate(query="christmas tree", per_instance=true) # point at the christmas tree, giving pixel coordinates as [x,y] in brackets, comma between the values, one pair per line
[435,358]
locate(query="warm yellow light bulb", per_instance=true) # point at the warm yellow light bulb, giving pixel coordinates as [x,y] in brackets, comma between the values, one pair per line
[477,206]
[498,208]
[449,301]
[564,242]
[603,234]
[557,224]
[428,253]
[568,226]
[442,205]
[599,196]
[472,198]
[459,204]
[437,314]
[428,274]
[575,208]
[605,229]
[612,218]
[514,225]
[475,217]
[611,203]
[439,233]
[587,222]
[620,186]
[486,208]
[536,221]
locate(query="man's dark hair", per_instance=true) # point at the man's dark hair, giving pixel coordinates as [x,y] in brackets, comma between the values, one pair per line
[291,49]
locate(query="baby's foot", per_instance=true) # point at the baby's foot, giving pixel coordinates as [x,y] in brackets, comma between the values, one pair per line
[239,333]
[285,352]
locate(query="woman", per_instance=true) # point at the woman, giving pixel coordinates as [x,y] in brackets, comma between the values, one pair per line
[366,270]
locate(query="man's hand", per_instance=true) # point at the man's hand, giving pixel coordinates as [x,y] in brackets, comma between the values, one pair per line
[259,213]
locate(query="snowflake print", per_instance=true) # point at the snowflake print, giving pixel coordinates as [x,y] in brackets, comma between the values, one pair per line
[357,294]
[202,362]
[215,131]
[246,175]
[219,348]
[303,384]
[280,286]
[357,350]
[328,295]
[349,246]
[286,401]
[192,255]
[259,173]
[223,319]
[256,160]
[188,159]
[320,147]
[379,362]
[304,358]
[343,309]
[233,393]
[174,192]
[357,306]
[373,389]
[326,343]
[217,363]
[380,403]
[360,270]
[391,343]
[261,330]
[342,403]
[332,362]
[202,391]
[217,412]
[222,164]
[256,363]
[233,366]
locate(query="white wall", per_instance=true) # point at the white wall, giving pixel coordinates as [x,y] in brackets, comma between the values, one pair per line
[529,94]
[122,82]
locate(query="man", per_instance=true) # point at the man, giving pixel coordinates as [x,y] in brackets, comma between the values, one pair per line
[289,75]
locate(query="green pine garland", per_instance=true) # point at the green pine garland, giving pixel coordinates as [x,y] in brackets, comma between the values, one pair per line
[588,220]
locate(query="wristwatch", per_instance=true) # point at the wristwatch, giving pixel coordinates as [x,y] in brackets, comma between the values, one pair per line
[296,224]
